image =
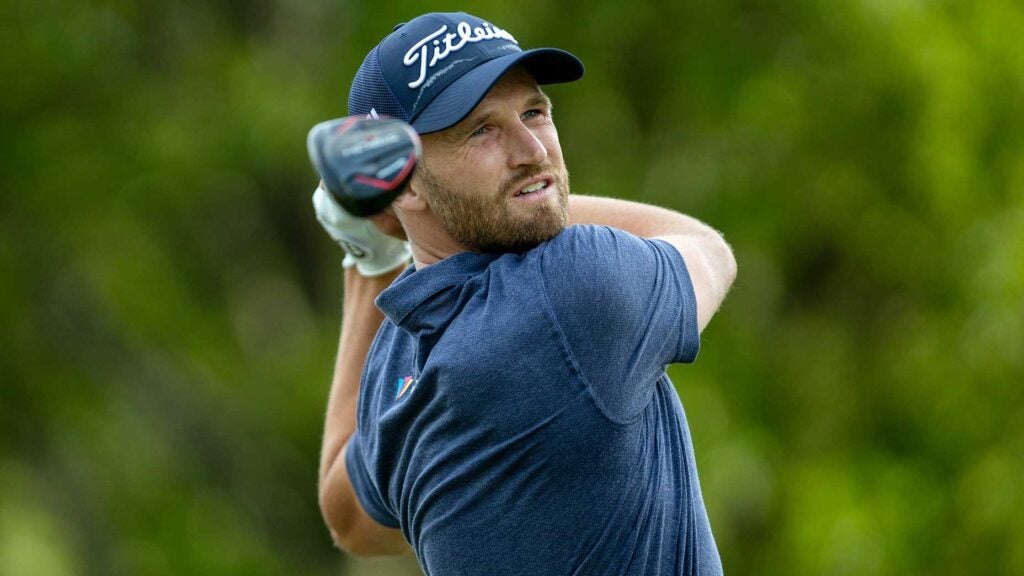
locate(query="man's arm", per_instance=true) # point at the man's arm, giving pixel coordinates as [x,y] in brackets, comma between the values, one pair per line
[708,257]
[349,524]
[379,242]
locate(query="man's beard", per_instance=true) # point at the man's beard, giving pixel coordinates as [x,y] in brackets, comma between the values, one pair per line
[485,223]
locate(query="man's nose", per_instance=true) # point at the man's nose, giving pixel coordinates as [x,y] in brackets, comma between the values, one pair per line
[525,148]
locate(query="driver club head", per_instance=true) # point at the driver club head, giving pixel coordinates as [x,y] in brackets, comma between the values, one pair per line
[365,163]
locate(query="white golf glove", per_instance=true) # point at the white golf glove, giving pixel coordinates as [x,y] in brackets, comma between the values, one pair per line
[372,252]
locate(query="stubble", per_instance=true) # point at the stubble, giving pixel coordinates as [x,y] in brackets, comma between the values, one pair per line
[486,223]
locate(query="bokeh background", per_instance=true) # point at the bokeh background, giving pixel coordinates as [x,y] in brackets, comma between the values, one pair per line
[170,308]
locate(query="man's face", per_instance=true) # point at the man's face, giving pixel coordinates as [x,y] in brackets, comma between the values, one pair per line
[496,180]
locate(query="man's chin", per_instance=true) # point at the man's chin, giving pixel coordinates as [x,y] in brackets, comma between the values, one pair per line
[523,241]
[508,229]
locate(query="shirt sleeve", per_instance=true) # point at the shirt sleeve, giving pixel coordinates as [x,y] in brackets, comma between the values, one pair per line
[362,484]
[625,307]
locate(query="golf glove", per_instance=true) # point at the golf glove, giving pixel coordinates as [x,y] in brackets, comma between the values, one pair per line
[372,252]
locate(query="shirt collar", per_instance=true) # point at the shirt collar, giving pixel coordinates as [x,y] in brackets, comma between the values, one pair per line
[403,302]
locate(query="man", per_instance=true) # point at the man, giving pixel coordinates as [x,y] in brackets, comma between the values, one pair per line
[502,405]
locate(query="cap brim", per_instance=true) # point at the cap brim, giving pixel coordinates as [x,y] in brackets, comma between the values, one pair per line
[547,65]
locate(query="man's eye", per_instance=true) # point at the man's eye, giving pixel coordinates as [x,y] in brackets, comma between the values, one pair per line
[532,113]
[478,132]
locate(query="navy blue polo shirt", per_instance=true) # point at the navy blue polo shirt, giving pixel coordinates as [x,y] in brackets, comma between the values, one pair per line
[515,416]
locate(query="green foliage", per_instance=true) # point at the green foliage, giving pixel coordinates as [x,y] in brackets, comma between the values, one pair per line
[171,309]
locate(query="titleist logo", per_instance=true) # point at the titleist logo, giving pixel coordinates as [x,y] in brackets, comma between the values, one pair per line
[446,45]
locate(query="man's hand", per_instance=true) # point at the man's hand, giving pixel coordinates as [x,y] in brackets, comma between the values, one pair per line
[371,251]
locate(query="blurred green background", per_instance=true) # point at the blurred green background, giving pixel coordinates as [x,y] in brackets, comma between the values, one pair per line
[170,308]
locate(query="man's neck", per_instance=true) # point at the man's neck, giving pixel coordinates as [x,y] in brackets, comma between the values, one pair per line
[424,254]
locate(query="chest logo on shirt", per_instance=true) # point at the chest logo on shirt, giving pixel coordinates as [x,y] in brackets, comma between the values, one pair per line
[404,385]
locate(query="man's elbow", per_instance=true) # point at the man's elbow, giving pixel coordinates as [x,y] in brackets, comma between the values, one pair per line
[726,266]
[341,525]
[354,532]
[336,519]
[352,544]
[369,543]
[720,265]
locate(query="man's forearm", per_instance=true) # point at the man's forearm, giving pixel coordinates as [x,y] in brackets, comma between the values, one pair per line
[350,527]
[642,220]
[361,320]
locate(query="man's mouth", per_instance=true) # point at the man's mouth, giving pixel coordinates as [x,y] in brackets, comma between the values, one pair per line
[533,188]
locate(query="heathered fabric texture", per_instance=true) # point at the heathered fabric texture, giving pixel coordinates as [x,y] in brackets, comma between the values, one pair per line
[515,416]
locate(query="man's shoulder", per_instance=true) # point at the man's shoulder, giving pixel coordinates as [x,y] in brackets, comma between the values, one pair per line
[579,241]
[586,232]
[592,250]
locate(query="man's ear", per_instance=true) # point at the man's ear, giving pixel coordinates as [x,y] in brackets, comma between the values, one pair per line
[412,198]
[387,222]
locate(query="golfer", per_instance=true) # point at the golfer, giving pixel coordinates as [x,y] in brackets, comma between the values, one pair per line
[500,406]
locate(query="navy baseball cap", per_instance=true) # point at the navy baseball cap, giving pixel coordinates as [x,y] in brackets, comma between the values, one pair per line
[433,70]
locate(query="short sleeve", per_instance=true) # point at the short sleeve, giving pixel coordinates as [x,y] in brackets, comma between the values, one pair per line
[367,493]
[625,307]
